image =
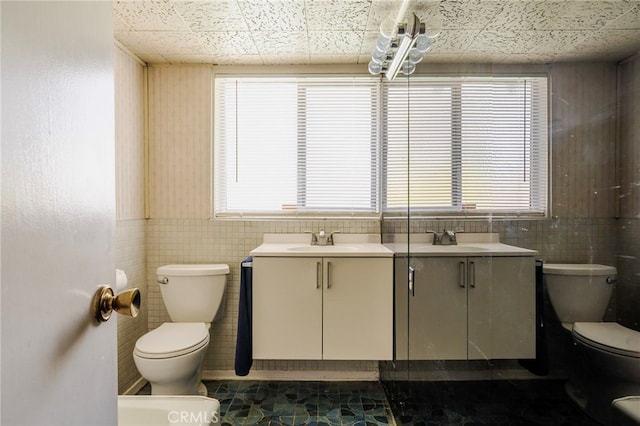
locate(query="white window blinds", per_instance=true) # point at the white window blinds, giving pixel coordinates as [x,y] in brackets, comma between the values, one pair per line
[466,145]
[356,146]
[296,145]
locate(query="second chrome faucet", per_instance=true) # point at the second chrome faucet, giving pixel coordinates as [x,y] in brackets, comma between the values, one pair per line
[448,238]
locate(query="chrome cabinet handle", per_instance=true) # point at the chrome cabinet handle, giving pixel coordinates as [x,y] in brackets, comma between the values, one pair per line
[328,275]
[412,275]
[461,277]
[472,275]
[318,274]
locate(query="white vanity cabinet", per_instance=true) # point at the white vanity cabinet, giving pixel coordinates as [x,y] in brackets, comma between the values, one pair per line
[331,308]
[467,308]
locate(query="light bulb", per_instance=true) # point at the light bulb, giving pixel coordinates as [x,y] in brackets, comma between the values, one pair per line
[415,56]
[423,43]
[408,68]
[382,43]
[375,68]
[388,28]
[378,56]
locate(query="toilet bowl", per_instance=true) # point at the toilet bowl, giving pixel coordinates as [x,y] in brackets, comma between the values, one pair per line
[606,366]
[626,411]
[605,361]
[170,357]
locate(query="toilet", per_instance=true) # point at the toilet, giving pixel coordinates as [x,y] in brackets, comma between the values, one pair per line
[170,357]
[606,355]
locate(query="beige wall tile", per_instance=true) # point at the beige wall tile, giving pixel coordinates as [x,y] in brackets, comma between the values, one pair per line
[583,140]
[180,119]
[129,120]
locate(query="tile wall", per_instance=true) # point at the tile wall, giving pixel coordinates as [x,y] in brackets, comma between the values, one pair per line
[130,199]
[629,222]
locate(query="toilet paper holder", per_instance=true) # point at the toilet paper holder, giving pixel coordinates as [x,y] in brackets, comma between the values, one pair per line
[125,303]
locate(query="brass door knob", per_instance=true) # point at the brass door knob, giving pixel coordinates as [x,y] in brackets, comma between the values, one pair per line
[125,303]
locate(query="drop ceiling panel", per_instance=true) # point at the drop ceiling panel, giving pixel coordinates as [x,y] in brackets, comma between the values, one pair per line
[344,31]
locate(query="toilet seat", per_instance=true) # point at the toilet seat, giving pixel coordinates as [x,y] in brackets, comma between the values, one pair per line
[608,337]
[171,340]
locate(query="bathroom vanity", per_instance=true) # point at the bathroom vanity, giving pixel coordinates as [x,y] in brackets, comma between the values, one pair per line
[470,301]
[322,302]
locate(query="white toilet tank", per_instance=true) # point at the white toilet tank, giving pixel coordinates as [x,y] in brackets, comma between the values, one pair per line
[193,293]
[579,292]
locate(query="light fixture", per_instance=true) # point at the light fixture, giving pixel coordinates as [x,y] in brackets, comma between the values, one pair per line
[399,47]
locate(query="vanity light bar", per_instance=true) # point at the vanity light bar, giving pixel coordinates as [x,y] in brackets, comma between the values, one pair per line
[399,48]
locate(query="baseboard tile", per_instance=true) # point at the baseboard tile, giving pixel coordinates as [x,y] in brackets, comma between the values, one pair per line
[465,375]
[135,387]
[295,375]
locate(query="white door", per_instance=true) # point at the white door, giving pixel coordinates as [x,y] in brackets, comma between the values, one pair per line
[58,367]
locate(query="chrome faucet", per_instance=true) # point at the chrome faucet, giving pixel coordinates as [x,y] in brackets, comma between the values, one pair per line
[448,238]
[321,238]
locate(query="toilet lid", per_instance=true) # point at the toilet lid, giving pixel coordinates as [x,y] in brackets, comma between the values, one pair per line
[609,337]
[590,269]
[172,340]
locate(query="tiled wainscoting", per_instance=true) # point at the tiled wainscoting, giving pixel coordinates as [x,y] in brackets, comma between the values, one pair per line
[230,241]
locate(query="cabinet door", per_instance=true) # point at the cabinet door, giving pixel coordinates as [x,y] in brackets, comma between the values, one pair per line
[287,308]
[501,307]
[358,309]
[438,309]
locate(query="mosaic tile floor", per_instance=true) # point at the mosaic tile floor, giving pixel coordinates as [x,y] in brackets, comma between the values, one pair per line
[301,403]
[498,402]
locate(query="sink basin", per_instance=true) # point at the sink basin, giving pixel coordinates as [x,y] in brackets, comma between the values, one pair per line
[323,249]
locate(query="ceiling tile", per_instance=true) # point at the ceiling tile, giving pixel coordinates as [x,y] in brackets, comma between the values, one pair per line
[160,42]
[601,42]
[218,15]
[285,59]
[557,15]
[526,42]
[340,42]
[119,25]
[149,15]
[336,59]
[274,15]
[628,21]
[453,41]
[337,14]
[278,42]
[469,14]
[450,58]
[344,31]
[227,43]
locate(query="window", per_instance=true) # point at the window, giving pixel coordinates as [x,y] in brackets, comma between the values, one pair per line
[475,145]
[296,145]
[357,146]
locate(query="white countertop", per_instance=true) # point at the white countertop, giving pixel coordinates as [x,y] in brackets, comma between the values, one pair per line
[368,245]
[299,245]
[469,244]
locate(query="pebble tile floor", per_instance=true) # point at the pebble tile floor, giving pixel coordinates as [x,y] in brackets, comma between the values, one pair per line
[498,402]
